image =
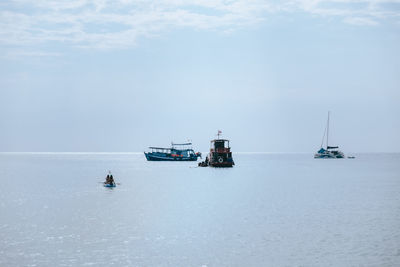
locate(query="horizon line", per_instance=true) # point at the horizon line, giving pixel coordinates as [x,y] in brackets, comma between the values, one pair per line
[136,152]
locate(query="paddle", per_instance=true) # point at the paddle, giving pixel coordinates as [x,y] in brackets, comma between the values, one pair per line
[104,183]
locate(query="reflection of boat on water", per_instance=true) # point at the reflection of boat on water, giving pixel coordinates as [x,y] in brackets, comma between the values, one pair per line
[330,152]
[177,152]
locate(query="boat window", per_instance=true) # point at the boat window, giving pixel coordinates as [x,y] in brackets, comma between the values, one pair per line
[219,144]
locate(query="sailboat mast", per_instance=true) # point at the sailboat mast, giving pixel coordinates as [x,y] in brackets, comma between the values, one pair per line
[323,138]
[327,132]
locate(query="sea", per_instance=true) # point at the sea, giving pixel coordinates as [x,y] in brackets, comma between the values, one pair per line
[270,209]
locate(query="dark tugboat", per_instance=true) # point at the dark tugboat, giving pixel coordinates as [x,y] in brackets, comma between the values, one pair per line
[220,154]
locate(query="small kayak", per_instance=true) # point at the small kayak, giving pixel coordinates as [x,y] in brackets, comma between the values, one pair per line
[109,185]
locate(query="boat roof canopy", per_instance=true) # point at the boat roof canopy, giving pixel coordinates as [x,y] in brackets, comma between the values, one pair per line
[170,148]
[153,147]
[221,140]
[184,144]
[332,147]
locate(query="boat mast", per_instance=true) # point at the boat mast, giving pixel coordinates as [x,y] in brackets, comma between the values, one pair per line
[323,137]
[327,132]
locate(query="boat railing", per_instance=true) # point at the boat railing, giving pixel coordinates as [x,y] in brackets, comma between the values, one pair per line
[181,146]
[160,150]
[220,150]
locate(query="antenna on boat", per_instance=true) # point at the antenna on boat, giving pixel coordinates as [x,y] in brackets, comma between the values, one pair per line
[219,133]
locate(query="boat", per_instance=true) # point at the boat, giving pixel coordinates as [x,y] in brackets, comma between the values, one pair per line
[109,180]
[220,154]
[177,152]
[330,152]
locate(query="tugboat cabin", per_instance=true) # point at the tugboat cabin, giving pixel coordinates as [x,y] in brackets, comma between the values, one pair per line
[220,154]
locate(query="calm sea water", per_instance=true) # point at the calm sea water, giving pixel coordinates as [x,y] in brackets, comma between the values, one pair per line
[269,210]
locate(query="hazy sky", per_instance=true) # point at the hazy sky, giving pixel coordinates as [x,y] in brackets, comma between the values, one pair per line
[80,75]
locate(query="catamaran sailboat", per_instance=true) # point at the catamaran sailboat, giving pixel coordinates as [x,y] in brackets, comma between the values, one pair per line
[330,152]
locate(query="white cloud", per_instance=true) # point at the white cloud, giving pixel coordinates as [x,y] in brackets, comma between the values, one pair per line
[119,23]
[21,54]
[360,21]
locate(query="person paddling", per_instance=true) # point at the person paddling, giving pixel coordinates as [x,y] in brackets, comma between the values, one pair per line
[109,179]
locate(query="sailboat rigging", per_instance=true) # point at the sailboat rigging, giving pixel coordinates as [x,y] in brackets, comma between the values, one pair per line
[330,152]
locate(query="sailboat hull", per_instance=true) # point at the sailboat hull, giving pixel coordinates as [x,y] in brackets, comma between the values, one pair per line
[329,155]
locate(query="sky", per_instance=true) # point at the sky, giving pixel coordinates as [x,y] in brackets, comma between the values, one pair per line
[122,75]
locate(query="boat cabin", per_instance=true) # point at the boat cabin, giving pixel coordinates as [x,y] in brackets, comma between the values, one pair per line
[220,146]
